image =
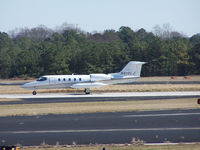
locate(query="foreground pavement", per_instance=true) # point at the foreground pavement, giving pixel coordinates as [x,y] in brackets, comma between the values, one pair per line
[102,128]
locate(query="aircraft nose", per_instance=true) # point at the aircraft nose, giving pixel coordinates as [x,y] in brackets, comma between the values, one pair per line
[28,85]
[25,85]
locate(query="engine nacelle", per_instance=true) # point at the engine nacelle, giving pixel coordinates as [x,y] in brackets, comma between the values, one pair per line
[87,85]
[99,77]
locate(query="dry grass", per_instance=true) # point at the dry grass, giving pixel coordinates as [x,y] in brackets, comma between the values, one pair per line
[92,107]
[150,88]
[14,89]
[123,147]
[9,99]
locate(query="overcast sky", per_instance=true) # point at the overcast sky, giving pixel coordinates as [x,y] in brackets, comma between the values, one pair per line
[99,15]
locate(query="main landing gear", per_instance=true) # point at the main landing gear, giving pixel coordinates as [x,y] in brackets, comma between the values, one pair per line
[87,91]
[34,92]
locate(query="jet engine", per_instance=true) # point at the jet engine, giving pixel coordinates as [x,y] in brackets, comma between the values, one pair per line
[99,77]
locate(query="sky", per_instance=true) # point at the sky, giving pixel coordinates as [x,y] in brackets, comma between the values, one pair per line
[99,15]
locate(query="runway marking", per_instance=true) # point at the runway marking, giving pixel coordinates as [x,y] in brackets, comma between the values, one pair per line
[97,130]
[159,115]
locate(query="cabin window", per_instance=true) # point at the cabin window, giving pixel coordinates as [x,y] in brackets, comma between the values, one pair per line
[42,79]
[58,79]
[69,79]
[74,79]
[79,79]
[64,79]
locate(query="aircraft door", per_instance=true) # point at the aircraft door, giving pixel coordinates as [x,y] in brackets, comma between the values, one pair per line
[51,80]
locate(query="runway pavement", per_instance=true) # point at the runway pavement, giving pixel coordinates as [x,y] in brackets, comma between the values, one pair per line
[75,97]
[149,126]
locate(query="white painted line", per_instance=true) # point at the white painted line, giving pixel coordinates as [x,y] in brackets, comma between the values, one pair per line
[159,115]
[97,130]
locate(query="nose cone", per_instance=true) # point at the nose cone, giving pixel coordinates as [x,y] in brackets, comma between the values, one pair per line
[29,85]
[25,85]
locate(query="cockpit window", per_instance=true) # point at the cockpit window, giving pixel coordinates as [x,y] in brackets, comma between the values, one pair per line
[42,79]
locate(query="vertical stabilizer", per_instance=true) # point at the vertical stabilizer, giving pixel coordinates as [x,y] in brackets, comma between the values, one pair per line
[133,68]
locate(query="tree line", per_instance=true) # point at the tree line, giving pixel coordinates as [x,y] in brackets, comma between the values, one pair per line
[41,51]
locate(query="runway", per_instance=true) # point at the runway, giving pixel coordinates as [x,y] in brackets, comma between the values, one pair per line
[94,97]
[102,128]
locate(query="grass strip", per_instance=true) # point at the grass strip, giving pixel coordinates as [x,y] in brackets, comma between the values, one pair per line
[9,99]
[92,107]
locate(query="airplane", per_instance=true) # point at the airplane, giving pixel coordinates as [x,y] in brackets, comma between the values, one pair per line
[131,72]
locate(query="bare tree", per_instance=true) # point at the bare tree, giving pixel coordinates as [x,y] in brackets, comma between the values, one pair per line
[39,33]
[66,26]
[166,32]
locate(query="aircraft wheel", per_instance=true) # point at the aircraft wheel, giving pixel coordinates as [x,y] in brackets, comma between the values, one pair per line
[34,92]
[87,91]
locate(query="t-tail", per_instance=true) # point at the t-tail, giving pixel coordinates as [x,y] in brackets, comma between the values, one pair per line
[131,70]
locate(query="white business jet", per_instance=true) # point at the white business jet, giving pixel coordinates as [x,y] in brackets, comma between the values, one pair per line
[129,73]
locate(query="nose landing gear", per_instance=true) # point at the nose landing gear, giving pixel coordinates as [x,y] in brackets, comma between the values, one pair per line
[87,91]
[34,92]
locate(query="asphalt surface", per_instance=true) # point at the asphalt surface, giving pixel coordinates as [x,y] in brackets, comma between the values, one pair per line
[95,97]
[102,128]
